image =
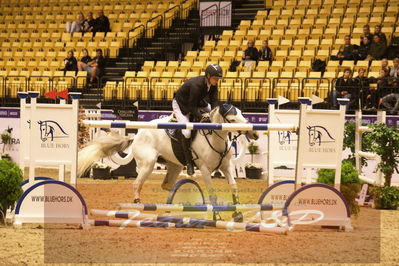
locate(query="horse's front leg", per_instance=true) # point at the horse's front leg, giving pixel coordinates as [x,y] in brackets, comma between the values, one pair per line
[206,175]
[226,168]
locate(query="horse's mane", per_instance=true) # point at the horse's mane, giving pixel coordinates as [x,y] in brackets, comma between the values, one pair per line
[214,115]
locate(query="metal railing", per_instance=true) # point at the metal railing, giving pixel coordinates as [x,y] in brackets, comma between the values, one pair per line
[139,44]
[216,17]
[159,91]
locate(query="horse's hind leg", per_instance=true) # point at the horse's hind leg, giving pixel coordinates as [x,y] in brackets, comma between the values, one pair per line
[145,165]
[171,175]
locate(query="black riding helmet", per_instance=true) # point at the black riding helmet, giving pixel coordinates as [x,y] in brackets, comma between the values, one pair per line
[214,70]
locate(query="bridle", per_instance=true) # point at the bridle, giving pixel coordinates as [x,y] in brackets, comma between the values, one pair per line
[227,147]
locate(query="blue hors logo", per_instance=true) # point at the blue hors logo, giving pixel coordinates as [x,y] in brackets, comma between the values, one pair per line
[319,135]
[50,129]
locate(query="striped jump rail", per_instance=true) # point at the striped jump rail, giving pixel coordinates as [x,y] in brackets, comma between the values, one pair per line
[140,224]
[208,126]
[193,222]
[200,208]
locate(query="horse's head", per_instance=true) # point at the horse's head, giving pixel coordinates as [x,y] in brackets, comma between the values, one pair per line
[227,113]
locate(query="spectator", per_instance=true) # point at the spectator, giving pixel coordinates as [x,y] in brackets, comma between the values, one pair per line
[367,33]
[70,63]
[82,64]
[76,26]
[250,56]
[95,67]
[377,31]
[364,48]
[391,100]
[102,22]
[90,23]
[383,83]
[343,87]
[395,68]
[385,64]
[348,50]
[265,53]
[377,49]
[362,85]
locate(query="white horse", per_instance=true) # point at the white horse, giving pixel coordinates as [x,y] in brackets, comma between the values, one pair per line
[211,148]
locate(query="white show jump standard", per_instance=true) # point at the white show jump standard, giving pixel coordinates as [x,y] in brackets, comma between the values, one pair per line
[199,208]
[207,126]
[181,222]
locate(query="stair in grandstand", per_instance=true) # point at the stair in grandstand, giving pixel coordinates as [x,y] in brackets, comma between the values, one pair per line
[246,10]
[166,44]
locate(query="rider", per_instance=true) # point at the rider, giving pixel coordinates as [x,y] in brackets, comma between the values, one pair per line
[191,97]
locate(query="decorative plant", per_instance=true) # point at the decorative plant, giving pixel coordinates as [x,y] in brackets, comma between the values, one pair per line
[10,190]
[350,183]
[253,148]
[384,141]
[5,138]
[385,197]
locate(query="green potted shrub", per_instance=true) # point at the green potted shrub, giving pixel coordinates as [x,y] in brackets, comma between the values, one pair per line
[384,141]
[350,183]
[5,139]
[386,198]
[10,190]
[101,171]
[253,170]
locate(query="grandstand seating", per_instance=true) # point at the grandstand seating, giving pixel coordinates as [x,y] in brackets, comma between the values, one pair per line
[298,32]
[33,41]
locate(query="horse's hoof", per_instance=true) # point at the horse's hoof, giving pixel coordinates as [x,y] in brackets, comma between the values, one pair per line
[136,201]
[166,186]
[216,216]
[238,217]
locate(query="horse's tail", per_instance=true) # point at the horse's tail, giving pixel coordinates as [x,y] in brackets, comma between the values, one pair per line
[99,148]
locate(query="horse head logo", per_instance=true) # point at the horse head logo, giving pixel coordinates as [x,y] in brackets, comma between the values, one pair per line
[319,134]
[284,136]
[50,129]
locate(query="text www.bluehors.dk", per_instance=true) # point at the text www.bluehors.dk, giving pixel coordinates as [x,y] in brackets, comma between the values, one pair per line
[52,199]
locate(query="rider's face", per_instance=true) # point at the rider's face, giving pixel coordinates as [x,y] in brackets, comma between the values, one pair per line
[213,81]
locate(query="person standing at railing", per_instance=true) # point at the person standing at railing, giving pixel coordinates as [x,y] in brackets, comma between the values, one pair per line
[391,101]
[362,86]
[343,88]
[188,101]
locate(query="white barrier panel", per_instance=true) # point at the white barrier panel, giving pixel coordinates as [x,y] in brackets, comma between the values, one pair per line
[49,135]
[282,145]
[321,135]
[359,130]
[50,201]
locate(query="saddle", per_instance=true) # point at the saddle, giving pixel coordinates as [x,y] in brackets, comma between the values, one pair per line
[175,136]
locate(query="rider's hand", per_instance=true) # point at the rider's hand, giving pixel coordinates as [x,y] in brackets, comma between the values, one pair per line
[205,117]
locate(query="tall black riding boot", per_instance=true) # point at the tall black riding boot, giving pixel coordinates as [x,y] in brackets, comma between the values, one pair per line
[188,155]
